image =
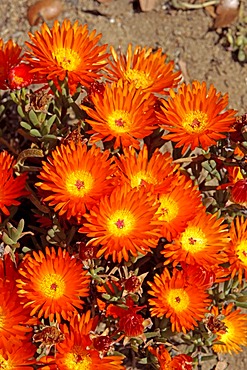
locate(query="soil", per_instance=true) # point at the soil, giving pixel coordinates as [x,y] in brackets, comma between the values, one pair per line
[185,36]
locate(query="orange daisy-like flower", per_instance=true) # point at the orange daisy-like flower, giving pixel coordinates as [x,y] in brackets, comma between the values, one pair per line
[138,169]
[77,351]
[17,355]
[11,187]
[177,299]
[75,178]
[166,362]
[237,252]
[67,50]
[146,68]
[178,204]
[123,224]
[122,113]
[203,241]
[14,74]
[194,116]
[231,330]
[10,56]
[52,285]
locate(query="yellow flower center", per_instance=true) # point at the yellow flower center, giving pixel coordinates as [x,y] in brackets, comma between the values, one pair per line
[79,183]
[168,208]
[120,121]
[52,286]
[178,299]
[241,251]
[5,364]
[77,361]
[140,78]
[193,240]
[121,223]
[140,177]
[229,332]
[195,122]
[66,58]
[18,80]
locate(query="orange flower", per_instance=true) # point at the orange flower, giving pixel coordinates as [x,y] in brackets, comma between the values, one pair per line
[75,178]
[178,204]
[231,330]
[145,67]
[122,113]
[178,300]
[237,252]
[203,241]
[10,56]
[194,116]
[11,187]
[123,224]
[52,285]
[13,318]
[138,169]
[77,351]
[67,50]
[17,355]
[166,362]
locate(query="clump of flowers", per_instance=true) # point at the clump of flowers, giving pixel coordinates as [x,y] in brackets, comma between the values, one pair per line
[122,209]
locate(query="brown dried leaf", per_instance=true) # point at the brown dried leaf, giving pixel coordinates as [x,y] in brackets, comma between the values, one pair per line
[147,5]
[226,13]
[44,10]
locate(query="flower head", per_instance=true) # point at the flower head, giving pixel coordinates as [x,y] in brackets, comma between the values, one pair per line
[203,241]
[166,362]
[145,67]
[67,50]
[195,116]
[51,285]
[20,76]
[11,187]
[175,298]
[232,330]
[75,178]
[123,224]
[137,169]
[10,56]
[121,113]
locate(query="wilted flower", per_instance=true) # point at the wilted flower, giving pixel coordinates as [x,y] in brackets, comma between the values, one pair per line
[166,362]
